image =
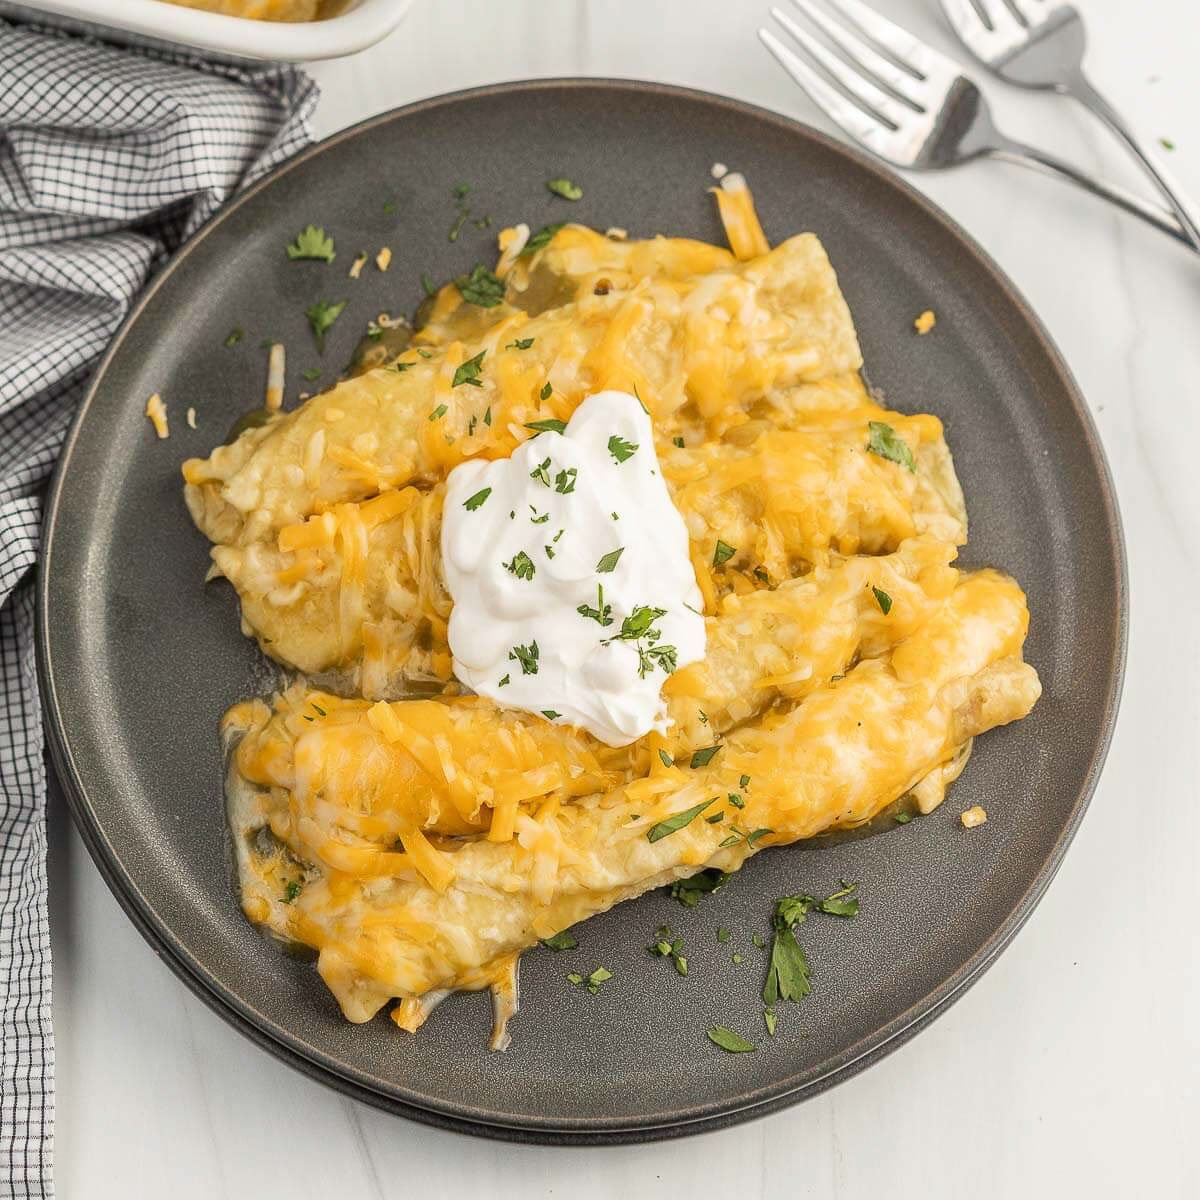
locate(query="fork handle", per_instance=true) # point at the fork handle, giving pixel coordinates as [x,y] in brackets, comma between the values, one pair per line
[1082,89]
[1031,156]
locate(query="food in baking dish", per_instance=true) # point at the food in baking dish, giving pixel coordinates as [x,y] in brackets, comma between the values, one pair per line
[420,837]
[260,10]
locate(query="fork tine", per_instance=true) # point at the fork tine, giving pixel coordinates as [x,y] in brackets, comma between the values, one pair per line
[900,82]
[877,100]
[901,44]
[868,130]
[997,15]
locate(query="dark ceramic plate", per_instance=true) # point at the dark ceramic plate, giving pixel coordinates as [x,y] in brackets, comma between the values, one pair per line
[139,658]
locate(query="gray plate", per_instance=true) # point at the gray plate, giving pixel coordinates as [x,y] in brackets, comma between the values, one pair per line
[138,659]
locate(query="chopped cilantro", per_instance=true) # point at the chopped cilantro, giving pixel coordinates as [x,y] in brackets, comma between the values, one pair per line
[564,188]
[541,472]
[723,553]
[732,1043]
[609,562]
[678,441]
[882,599]
[438,412]
[902,818]
[468,372]
[292,889]
[677,822]
[887,443]
[481,287]
[564,481]
[321,317]
[312,242]
[667,760]
[234,336]
[770,1019]
[703,756]
[564,940]
[427,285]
[505,681]
[549,425]
[471,503]
[690,891]
[602,613]
[521,566]
[546,392]
[736,800]
[620,449]
[550,714]
[527,656]
[543,237]
[520,344]
[311,374]
[723,934]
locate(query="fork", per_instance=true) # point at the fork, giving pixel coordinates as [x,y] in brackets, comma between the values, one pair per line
[930,115]
[1040,44]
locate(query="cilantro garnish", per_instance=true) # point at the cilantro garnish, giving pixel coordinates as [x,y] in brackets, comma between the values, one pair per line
[521,566]
[564,188]
[882,599]
[609,561]
[546,392]
[468,372]
[667,760]
[723,553]
[505,681]
[471,503]
[311,374]
[620,449]
[887,443]
[732,1043]
[527,656]
[602,613]
[678,821]
[549,425]
[520,344]
[564,481]
[427,285]
[481,287]
[235,336]
[564,940]
[543,237]
[312,242]
[703,756]
[438,412]
[550,714]
[321,317]
[541,472]
[787,974]
[672,949]
[292,889]
[689,892]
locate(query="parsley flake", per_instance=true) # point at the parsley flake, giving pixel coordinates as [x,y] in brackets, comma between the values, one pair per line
[689,892]
[481,287]
[602,613]
[564,481]
[550,714]
[438,412]
[546,391]
[471,503]
[468,372]
[312,242]
[521,566]
[882,599]
[677,822]
[564,940]
[703,756]
[667,760]
[723,553]
[542,238]
[321,317]
[541,472]
[235,336]
[887,443]
[527,656]
[609,562]
[549,425]
[620,449]
[520,344]
[311,374]
[564,188]
[730,1042]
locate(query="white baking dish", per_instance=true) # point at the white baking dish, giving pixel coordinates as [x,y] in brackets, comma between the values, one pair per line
[362,24]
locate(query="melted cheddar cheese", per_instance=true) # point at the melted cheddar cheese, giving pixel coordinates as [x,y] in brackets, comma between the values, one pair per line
[419,838]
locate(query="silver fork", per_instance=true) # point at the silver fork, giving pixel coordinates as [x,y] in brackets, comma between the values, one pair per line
[925,114]
[1040,44]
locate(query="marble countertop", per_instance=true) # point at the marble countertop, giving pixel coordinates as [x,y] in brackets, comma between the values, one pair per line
[1072,1065]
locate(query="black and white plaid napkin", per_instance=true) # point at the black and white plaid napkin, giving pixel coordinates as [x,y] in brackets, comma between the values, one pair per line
[108,159]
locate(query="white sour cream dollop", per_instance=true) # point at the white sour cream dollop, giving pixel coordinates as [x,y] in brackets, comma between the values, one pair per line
[573,520]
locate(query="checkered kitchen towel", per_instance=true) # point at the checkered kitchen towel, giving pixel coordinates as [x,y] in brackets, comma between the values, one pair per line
[108,159]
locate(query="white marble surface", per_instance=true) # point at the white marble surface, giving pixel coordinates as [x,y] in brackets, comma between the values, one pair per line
[1072,1068]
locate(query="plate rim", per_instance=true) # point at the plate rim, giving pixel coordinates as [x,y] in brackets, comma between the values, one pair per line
[548,1129]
